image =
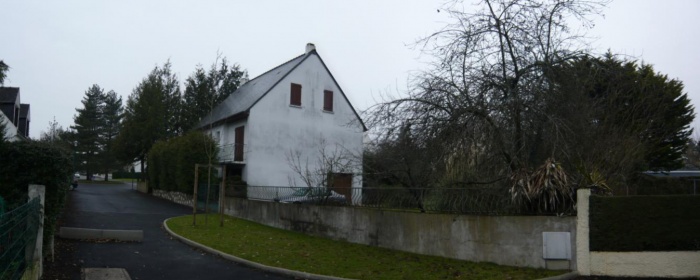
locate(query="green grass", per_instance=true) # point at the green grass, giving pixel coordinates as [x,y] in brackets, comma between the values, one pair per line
[125,180]
[99,182]
[297,251]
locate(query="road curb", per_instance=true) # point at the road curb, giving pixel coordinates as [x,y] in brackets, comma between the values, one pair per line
[90,233]
[565,276]
[276,270]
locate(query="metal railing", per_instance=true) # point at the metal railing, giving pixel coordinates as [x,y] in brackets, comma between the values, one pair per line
[232,153]
[482,201]
[18,232]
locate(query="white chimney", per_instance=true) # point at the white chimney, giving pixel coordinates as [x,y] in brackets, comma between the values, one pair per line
[310,47]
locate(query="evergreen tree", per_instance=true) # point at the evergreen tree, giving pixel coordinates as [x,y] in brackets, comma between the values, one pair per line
[112,112]
[204,90]
[88,127]
[3,72]
[152,113]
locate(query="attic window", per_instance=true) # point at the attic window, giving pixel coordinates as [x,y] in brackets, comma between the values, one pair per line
[295,96]
[328,101]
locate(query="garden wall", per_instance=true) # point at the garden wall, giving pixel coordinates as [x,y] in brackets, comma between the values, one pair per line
[597,256]
[505,240]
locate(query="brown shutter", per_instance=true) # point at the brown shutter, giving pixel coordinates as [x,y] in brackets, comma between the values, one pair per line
[295,97]
[328,100]
[239,145]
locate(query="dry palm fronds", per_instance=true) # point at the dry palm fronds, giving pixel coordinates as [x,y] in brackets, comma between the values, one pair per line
[544,190]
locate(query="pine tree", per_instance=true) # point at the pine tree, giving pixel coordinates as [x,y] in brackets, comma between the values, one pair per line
[88,126]
[112,113]
[204,90]
[152,113]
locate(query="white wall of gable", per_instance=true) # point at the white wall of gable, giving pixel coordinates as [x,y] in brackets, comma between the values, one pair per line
[276,129]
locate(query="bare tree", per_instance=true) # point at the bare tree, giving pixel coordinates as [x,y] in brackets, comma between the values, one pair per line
[484,100]
[317,172]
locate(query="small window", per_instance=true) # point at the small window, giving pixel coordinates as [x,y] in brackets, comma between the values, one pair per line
[328,100]
[295,96]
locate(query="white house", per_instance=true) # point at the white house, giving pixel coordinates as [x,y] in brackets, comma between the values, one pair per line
[291,123]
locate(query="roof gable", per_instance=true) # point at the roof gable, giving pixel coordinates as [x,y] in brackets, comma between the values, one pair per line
[246,96]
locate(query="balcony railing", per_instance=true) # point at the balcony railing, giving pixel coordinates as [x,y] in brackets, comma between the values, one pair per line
[232,153]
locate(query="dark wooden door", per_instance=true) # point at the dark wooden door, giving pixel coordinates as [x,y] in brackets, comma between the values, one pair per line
[342,184]
[238,144]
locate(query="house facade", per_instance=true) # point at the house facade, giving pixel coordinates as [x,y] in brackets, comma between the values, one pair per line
[291,126]
[14,114]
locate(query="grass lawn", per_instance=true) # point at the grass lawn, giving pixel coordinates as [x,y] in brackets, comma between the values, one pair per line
[99,182]
[123,180]
[297,251]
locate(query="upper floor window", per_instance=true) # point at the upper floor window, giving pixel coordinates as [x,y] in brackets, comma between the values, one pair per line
[295,96]
[328,100]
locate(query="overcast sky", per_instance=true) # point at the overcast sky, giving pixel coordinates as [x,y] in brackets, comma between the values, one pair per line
[57,49]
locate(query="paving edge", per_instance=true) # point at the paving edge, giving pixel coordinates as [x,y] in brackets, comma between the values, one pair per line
[273,269]
[565,276]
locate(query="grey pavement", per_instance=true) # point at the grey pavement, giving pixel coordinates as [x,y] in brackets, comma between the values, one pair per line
[159,256]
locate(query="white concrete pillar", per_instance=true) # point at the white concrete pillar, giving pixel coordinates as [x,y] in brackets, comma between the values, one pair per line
[583,252]
[40,192]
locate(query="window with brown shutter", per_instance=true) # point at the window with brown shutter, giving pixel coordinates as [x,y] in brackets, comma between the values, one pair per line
[295,97]
[328,100]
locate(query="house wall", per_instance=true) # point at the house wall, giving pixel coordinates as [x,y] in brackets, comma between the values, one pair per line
[275,129]
[10,128]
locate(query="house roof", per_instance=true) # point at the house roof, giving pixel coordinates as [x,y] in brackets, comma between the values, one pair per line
[9,94]
[249,93]
[246,96]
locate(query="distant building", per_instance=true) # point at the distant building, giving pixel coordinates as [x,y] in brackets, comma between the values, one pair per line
[14,114]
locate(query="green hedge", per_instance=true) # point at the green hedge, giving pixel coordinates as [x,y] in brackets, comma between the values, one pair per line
[126,175]
[171,163]
[40,163]
[645,223]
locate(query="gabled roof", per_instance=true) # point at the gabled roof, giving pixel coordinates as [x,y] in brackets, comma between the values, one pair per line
[249,93]
[9,94]
[246,96]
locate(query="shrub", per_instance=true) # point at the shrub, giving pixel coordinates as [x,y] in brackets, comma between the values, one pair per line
[126,175]
[40,163]
[645,223]
[171,163]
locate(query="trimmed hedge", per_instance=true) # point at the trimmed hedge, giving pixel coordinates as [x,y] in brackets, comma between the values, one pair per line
[32,162]
[645,223]
[126,175]
[171,163]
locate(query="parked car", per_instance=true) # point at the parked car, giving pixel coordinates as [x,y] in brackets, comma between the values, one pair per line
[313,195]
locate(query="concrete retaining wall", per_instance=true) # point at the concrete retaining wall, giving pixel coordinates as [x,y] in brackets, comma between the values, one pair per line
[506,240]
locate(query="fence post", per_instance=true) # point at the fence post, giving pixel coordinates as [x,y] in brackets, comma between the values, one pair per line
[39,191]
[583,252]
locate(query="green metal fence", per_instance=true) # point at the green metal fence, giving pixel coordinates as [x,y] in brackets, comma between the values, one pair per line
[18,231]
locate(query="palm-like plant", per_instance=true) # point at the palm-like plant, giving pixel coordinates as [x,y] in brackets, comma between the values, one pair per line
[546,190]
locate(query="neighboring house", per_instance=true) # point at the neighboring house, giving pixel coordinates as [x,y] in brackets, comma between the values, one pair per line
[290,113]
[15,115]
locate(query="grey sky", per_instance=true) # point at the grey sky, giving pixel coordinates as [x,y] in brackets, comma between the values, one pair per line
[57,49]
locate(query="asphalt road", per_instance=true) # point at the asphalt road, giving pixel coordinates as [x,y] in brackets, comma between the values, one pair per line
[158,256]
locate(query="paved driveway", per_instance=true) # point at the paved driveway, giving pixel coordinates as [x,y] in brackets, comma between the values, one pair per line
[158,256]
